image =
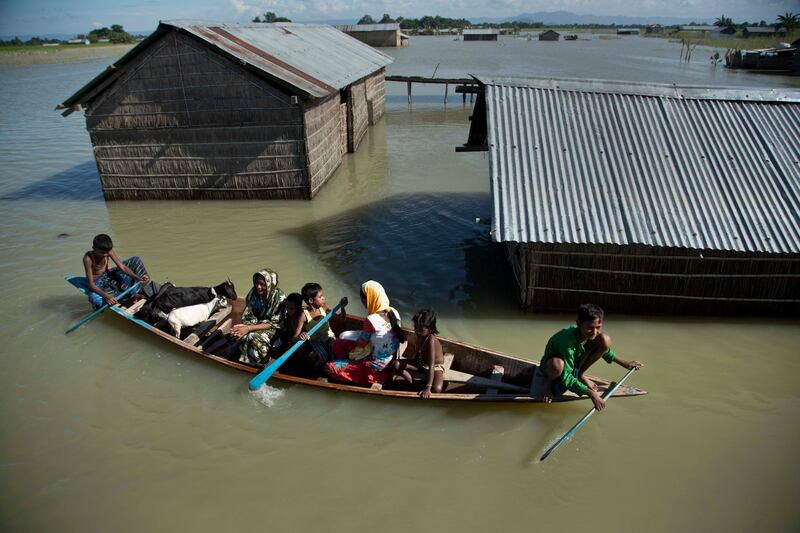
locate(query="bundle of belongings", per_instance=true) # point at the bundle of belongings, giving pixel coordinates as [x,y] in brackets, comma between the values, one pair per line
[173,309]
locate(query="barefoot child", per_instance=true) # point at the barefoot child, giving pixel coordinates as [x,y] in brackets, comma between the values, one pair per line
[105,283]
[429,356]
[570,352]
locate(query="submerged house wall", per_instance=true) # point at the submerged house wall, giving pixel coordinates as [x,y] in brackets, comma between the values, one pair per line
[357,115]
[323,139]
[376,96]
[187,123]
[654,280]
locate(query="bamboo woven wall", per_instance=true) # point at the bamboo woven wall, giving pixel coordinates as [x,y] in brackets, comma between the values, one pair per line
[343,125]
[184,122]
[357,115]
[376,96]
[323,141]
[655,280]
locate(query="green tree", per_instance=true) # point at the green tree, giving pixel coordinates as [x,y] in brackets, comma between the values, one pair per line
[366,19]
[789,21]
[724,22]
[386,19]
[270,17]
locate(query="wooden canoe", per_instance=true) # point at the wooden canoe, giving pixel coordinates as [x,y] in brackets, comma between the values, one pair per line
[473,373]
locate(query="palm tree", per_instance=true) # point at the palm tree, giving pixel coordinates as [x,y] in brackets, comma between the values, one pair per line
[788,21]
[724,22]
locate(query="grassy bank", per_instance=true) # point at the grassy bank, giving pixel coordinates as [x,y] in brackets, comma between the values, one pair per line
[18,56]
[752,43]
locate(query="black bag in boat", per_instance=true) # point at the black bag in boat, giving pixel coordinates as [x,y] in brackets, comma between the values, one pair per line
[169,297]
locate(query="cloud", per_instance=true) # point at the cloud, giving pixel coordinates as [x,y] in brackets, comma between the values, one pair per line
[243,8]
[97,24]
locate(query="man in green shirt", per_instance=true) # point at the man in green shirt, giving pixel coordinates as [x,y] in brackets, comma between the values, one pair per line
[570,352]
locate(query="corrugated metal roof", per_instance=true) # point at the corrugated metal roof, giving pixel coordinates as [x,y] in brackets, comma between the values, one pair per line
[575,161]
[765,29]
[390,26]
[316,59]
[481,32]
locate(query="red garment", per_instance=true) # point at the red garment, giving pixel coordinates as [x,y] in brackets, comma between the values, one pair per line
[362,372]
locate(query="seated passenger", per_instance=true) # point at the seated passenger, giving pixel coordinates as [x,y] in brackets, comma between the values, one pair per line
[106,283]
[262,313]
[382,329]
[284,336]
[429,356]
[321,343]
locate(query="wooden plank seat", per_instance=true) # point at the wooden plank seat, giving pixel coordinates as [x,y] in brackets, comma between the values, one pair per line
[134,308]
[456,379]
[497,375]
[217,317]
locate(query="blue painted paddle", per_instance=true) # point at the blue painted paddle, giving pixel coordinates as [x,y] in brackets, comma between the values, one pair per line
[101,309]
[577,426]
[265,374]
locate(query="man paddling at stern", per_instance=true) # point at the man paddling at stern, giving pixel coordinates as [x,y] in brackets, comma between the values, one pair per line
[570,352]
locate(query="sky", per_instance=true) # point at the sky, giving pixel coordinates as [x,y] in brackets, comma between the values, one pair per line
[34,17]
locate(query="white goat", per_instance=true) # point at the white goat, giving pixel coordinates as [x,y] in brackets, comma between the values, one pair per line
[191,315]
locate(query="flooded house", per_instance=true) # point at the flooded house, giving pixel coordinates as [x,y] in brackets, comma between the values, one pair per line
[549,35]
[763,31]
[643,197]
[487,34]
[784,59]
[377,35]
[201,110]
[628,31]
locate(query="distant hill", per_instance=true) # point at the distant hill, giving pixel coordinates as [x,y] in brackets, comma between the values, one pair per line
[567,17]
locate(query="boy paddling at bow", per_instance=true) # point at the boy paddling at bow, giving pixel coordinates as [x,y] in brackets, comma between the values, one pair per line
[104,280]
[570,352]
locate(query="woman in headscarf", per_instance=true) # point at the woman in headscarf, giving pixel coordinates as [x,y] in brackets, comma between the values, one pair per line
[262,313]
[382,329]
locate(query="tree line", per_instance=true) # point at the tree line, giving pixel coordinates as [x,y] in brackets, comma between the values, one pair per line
[115,34]
[790,21]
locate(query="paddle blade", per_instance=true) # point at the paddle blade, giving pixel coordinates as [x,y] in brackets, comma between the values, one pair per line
[265,374]
[93,314]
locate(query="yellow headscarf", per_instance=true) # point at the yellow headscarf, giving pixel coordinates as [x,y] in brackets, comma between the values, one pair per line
[377,300]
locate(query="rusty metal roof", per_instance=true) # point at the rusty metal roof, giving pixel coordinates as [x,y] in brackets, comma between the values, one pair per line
[577,161]
[314,59]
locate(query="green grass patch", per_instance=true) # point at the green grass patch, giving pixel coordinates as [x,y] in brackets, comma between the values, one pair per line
[736,43]
[39,48]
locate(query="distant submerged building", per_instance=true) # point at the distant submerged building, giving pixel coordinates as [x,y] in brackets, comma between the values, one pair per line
[378,35]
[549,35]
[212,111]
[481,34]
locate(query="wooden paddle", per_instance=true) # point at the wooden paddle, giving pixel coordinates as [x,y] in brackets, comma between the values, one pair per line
[265,374]
[577,426]
[101,309]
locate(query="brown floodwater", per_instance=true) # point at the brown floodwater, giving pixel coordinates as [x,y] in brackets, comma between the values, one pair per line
[109,429]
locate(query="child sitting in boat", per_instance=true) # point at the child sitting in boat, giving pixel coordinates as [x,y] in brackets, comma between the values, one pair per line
[321,343]
[570,352]
[105,283]
[284,336]
[382,329]
[429,354]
